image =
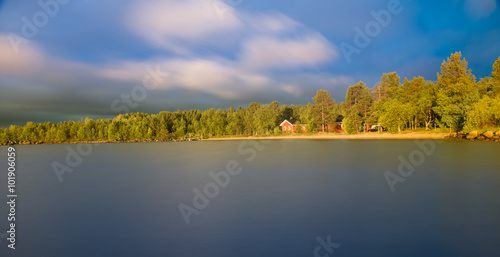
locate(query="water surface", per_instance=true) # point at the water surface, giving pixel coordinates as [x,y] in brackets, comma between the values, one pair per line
[123,199]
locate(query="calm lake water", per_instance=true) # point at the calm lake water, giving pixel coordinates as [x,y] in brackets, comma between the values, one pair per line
[289,198]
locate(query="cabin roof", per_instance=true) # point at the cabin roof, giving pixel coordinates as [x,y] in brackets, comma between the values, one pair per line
[285,121]
[292,122]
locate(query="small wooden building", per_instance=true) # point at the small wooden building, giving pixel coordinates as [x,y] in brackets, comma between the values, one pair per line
[288,127]
[338,126]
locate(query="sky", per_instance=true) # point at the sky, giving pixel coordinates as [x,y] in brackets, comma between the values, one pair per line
[66,59]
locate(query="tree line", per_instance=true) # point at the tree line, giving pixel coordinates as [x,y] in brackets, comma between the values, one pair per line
[455,101]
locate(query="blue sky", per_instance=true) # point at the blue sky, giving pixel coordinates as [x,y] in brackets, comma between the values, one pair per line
[63,59]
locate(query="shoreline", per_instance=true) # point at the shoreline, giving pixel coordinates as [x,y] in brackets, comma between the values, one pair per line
[369,136]
[319,136]
[462,136]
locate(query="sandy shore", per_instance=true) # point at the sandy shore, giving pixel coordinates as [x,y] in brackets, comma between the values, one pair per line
[345,136]
[373,135]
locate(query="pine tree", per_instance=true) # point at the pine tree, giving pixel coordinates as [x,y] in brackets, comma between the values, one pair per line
[358,104]
[324,106]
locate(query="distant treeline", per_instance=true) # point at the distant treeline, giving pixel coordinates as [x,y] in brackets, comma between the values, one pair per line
[456,101]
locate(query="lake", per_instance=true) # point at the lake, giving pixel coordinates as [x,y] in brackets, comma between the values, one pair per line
[256,198]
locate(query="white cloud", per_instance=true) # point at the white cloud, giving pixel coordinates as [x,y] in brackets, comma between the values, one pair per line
[273,23]
[28,59]
[260,41]
[123,71]
[173,23]
[215,78]
[272,53]
[222,79]
[307,84]
[219,78]
[479,9]
[293,90]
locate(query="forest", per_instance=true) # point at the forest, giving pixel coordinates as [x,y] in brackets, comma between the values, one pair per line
[455,102]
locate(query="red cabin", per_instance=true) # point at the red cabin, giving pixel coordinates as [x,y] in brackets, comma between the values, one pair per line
[338,126]
[288,127]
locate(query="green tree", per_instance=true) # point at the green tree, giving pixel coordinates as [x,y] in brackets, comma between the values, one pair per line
[286,112]
[457,91]
[62,133]
[251,118]
[387,87]
[394,115]
[350,126]
[309,117]
[3,137]
[324,105]
[358,104]
[490,86]
[80,134]
[426,101]
[495,74]
[419,97]
[232,122]
[484,113]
